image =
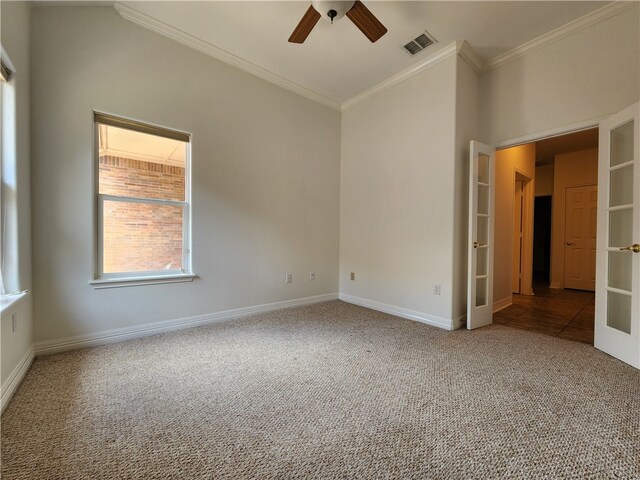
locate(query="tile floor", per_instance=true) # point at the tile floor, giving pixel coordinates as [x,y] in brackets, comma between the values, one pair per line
[562,313]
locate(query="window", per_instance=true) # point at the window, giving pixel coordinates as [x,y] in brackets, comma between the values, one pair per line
[9,276]
[143,207]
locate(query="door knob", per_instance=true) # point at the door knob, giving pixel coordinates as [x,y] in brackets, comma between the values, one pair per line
[635,248]
[476,244]
[569,243]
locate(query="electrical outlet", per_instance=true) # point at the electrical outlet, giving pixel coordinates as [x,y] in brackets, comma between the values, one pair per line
[288,278]
[353,275]
[312,276]
[14,323]
[437,289]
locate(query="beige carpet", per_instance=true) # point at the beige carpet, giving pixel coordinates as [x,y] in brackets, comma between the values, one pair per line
[326,391]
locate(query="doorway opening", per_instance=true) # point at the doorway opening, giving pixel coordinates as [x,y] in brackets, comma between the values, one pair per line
[542,240]
[547,282]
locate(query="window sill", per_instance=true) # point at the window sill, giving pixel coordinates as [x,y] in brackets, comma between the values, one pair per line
[100,283]
[10,302]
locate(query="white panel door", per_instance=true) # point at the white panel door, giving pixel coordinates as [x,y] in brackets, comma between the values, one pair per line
[480,248]
[617,323]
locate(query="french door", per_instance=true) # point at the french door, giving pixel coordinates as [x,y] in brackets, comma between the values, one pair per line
[617,322]
[480,248]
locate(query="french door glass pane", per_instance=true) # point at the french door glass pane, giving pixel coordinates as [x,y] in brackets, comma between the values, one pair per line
[483,230]
[620,270]
[622,144]
[483,168]
[141,237]
[621,227]
[619,311]
[621,191]
[483,199]
[482,254]
[481,292]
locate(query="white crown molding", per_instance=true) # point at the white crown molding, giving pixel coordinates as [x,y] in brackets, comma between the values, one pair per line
[570,28]
[461,48]
[127,333]
[15,377]
[162,28]
[474,60]
[433,320]
[437,57]
[157,26]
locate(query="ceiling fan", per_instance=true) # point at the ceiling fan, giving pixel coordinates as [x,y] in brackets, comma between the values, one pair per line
[334,10]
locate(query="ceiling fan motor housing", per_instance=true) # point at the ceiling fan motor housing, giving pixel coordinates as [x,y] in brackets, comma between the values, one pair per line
[323,7]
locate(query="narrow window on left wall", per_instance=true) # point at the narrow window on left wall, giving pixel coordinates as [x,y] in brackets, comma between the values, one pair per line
[9,271]
[143,203]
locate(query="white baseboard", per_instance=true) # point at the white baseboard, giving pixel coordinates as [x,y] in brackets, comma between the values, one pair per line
[432,320]
[555,285]
[127,333]
[502,304]
[16,376]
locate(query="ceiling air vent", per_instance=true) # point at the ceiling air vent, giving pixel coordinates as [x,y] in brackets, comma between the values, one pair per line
[412,47]
[419,43]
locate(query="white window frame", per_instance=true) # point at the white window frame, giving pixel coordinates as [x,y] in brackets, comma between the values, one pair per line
[9,215]
[122,279]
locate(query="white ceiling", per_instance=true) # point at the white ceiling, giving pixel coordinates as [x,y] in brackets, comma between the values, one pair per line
[337,61]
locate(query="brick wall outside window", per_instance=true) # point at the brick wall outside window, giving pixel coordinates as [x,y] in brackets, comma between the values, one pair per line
[141,237]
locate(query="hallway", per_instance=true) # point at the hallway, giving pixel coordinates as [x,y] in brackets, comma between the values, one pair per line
[563,313]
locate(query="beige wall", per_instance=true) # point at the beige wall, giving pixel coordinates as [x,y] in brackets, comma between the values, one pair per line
[592,73]
[574,169]
[544,180]
[404,202]
[397,196]
[265,181]
[508,161]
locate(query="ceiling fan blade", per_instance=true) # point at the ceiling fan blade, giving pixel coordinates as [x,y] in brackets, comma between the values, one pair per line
[305,26]
[366,21]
